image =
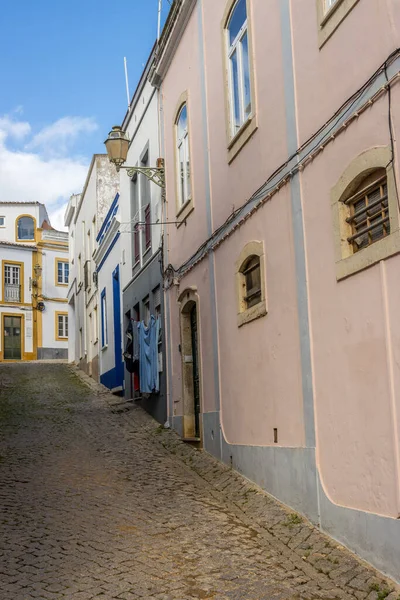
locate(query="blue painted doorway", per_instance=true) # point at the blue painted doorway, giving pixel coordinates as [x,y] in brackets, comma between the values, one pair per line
[119,365]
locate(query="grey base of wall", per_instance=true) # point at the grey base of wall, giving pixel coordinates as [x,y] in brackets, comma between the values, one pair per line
[291,476]
[52,353]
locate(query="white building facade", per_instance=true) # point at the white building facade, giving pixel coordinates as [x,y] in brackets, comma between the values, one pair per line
[141,210]
[35,276]
[84,217]
[107,258]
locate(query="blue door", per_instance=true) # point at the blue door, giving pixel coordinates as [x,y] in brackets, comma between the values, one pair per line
[119,365]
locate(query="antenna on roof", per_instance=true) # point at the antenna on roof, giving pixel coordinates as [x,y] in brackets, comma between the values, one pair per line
[127,84]
[159,19]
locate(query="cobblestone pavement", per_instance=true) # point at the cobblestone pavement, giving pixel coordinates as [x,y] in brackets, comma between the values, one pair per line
[97,501]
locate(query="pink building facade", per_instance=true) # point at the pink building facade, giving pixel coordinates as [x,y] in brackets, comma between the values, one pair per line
[279,125]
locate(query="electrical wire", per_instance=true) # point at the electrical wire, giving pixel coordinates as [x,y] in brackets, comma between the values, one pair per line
[264,189]
[392,145]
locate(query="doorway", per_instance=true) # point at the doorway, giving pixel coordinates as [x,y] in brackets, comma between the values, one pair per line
[196,377]
[191,366]
[12,338]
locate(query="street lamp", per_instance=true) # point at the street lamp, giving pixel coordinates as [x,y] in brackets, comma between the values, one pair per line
[117,145]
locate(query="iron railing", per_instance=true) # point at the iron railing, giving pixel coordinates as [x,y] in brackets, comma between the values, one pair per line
[12,292]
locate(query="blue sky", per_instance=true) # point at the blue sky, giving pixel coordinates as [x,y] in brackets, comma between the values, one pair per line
[63,87]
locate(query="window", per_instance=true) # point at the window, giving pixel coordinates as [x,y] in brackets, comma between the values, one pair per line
[12,283]
[250,281]
[104,329]
[134,220]
[329,4]
[330,15]
[369,212]
[25,228]
[2,221]
[61,326]
[365,212]
[239,67]
[62,272]
[157,301]
[147,227]
[183,156]
[146,310]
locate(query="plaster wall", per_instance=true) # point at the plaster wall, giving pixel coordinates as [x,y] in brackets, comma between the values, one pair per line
[184,76]
[93,204]
[12,211]
[50,288]
[14,254]
[325,77]
[198,280]
[143,132]
[107,353]
[356,380]
[260,374]
[232,183]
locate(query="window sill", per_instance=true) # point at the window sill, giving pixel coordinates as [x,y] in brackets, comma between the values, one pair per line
[330,21]
[367,257]
[251,314]
[242,137]
[184,211]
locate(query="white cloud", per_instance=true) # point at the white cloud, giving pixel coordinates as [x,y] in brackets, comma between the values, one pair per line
[28,175]
[57,138]
[14,129]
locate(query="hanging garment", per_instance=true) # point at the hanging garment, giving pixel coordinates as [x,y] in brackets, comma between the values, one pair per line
[128,354]
[131,354]
[148,357]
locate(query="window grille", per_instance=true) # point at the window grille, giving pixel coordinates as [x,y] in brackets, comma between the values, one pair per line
[369,214]
[147,217]
[252,281]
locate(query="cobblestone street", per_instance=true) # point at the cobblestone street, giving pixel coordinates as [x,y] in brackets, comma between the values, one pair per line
[97,501]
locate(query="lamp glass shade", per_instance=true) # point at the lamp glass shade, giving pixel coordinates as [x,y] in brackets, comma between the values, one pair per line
[117,145]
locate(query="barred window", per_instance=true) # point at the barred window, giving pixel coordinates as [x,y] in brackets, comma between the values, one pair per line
[369,211]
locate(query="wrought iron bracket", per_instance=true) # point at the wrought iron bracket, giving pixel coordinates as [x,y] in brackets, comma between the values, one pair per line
[154,174]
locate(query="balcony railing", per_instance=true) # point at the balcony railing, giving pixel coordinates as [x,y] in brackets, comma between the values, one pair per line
[12,292]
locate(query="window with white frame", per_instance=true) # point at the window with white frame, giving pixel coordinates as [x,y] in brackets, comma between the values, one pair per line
[239,67]
[62,326]
[329,4]
[62,272]
[12,274]
[183,156]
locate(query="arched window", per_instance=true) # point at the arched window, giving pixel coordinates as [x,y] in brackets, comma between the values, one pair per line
[183,157]
[25,228]
[239,67]
[365,212]
[369,211]
[251,281]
